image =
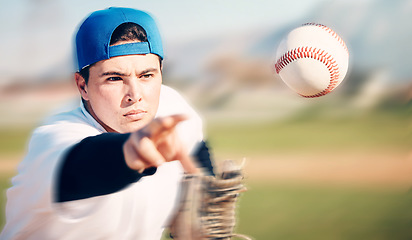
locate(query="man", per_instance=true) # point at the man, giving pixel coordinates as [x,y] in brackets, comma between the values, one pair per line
[110,169]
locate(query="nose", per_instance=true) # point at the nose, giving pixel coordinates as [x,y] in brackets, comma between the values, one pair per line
[132,93]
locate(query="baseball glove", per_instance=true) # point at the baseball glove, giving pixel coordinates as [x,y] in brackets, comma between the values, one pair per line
[208,206]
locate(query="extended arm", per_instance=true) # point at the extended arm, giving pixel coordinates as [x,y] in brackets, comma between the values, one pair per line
[109,162]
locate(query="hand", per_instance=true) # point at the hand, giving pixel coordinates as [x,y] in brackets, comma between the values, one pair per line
[155,144]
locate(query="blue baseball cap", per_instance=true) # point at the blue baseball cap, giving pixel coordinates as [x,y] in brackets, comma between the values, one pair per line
[94,34]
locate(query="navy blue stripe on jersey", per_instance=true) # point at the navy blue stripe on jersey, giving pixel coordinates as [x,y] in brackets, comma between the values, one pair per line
[96,166]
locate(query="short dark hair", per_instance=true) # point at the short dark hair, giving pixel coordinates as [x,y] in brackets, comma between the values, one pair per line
[124,32]
[128,32]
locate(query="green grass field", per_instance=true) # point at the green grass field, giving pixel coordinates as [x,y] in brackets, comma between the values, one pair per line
[4,184]
[275,210]
[271,211]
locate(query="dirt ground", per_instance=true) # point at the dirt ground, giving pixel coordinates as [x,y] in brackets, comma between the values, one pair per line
[383,169]
[8,164]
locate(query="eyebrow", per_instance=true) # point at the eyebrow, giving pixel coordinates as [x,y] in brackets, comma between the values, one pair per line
[149,70]
[111,73]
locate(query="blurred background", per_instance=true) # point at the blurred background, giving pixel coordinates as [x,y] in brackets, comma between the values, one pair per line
[334,167]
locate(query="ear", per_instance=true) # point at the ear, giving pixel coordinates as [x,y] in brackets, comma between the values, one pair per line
[81,86]
[161,71]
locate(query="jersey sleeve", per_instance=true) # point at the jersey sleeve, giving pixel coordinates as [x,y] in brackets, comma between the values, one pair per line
[95,167]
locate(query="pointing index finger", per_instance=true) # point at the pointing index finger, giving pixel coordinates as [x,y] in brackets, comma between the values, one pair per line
[163,125]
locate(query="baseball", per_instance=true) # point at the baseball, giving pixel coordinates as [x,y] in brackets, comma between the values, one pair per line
[312,60]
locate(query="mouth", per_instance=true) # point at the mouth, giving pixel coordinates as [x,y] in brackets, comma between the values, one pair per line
[135,115]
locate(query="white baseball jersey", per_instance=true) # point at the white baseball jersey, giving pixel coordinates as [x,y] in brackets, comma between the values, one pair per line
[140,211]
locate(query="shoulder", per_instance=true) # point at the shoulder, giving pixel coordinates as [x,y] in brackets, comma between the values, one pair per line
[171,102]
[171,99]
[62,130]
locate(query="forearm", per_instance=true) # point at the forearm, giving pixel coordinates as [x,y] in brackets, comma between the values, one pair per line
[95,167]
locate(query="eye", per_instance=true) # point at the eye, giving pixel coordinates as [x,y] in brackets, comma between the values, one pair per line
[147,76]
[111,79]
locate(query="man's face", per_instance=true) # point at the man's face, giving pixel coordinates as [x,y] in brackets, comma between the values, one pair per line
[123,92]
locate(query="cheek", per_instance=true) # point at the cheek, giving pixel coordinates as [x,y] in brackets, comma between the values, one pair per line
[105,98]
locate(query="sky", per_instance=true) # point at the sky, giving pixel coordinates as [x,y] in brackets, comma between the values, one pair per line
[38,33]
[179,17]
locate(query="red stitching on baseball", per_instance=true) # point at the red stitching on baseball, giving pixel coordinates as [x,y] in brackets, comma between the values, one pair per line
[334,34]
[314,53]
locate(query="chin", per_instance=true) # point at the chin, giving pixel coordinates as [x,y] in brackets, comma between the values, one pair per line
[132,127]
